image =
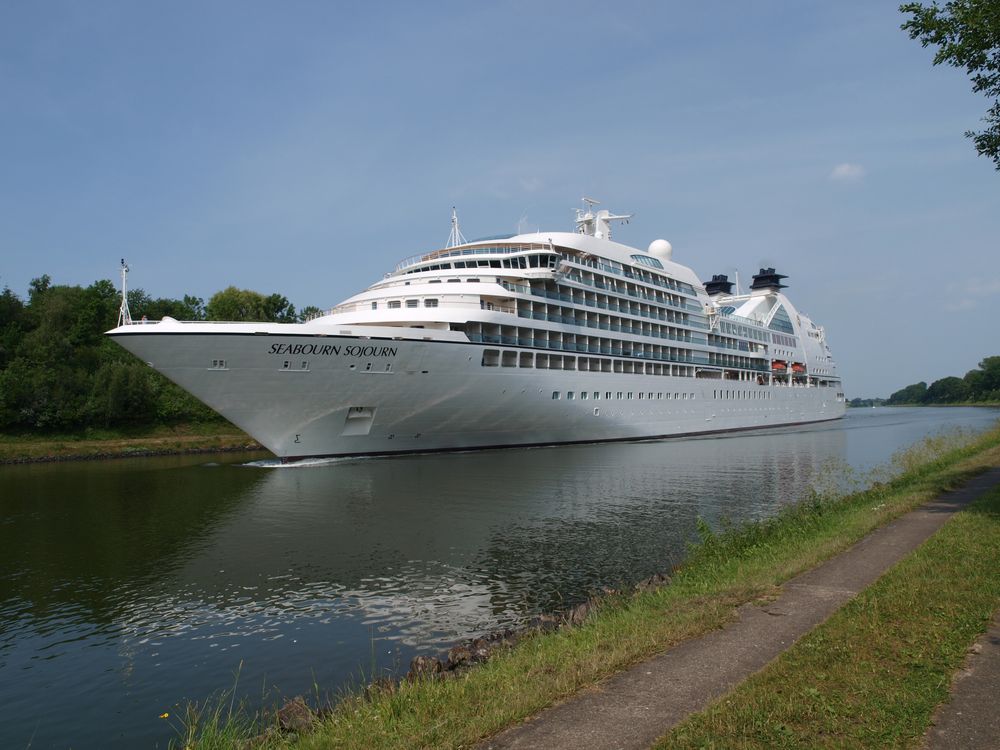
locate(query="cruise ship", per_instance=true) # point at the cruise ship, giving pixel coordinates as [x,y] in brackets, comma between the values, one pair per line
[533,339]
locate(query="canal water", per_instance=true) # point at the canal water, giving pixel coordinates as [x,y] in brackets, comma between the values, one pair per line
[128,588]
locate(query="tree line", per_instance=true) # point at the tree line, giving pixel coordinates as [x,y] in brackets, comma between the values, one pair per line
[981,385]
[59,372]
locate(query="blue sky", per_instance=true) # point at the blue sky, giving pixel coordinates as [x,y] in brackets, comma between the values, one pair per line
[306,147]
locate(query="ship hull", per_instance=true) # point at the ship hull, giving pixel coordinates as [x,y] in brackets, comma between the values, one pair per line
[343,395]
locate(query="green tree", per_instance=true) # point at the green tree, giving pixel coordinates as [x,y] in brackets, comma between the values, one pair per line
[309,311]
[990,368]
[12,325]
[142,305]
[243,304]
[967,35]
[947,390]
[912,394]
[122,393]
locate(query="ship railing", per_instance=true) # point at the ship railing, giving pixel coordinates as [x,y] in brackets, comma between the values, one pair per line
[609,307]
[740,319]
[653,280]
[452,252]
[561,346]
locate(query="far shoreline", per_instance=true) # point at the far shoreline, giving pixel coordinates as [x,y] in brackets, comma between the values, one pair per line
[145,442]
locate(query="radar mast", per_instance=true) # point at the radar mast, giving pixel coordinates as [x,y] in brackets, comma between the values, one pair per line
[456,237]
[597,224]
[124,316]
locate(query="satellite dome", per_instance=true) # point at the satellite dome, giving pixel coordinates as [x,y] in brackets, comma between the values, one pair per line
[661,249]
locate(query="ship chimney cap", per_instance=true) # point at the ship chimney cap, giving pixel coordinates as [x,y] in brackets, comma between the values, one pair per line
[720,284]
[768,278]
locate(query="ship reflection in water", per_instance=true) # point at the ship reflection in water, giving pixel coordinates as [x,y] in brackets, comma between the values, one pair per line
[135,586]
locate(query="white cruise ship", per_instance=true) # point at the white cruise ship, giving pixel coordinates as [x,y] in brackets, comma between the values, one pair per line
[533,339]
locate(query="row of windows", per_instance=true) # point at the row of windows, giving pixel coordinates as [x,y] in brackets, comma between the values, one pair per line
[741,395]
[632,290]
[737,361]
[545,361]
[777,338]
[744,331]
[724,342]
[547,260]
[623,396]
[611,302]
[487,333]
[632,272]
[572,317]
[648,260]
[395,304]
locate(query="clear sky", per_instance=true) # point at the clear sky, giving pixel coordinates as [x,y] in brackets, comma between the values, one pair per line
[305,147]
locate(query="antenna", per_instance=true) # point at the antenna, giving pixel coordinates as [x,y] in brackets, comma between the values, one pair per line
[456,237]
[737,282]
[124,316]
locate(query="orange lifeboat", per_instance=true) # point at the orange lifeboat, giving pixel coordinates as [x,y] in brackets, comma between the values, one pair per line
[778,364]
[798,368]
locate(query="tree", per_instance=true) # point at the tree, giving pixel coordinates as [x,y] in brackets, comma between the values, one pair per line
[947,390]
[12,325]
[912,394]
[308,312]
[243,304]
[142,305]
[990,367]
[967,35]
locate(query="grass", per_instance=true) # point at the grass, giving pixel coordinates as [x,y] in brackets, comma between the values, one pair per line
[98,443]
[872,675]
[727,569]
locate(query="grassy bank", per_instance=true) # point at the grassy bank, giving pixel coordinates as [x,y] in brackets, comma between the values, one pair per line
[871,675]
[724,571]
[112,443]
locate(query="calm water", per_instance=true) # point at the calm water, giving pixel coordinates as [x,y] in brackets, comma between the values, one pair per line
[130,587]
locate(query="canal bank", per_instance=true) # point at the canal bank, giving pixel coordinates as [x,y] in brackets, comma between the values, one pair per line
[161,440]
[744,565]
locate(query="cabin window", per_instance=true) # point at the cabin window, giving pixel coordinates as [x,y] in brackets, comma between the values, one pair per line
[374,305]
[412,302]
[394,304]
[555,395]
[430,303]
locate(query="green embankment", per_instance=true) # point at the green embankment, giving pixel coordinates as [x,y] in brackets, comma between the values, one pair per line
[201,437]
[871,675]
[725,570]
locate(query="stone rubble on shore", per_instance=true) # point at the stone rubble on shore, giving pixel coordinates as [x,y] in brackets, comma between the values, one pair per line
[295,716]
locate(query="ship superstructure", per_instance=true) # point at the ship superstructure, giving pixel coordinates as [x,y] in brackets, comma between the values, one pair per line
[531,339]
